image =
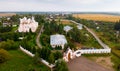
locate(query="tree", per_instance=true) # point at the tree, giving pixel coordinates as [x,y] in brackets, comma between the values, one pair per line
[65,47]
[117,28]
[0,23]
[4,56]
[119,67]
[58,55]
[61,66]
[33,50]
[51,58]
[44,53]
[5,29]
[36,58]
[9,45]
[15,18]
[44,39]
[40,18]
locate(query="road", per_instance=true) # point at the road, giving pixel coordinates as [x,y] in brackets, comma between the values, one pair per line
[84,64]
[38,37]
[95,36]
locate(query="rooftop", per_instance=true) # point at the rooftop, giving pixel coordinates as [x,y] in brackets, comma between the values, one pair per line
[67,28]
[57,39]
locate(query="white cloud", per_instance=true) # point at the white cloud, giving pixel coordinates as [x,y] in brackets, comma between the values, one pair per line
[57,5]
[84,1]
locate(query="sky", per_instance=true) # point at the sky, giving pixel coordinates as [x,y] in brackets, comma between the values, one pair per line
[60,5]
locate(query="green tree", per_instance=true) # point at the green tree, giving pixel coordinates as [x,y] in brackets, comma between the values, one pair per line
[9,45]
[40,18]
[117,28]
[5,29]
[51,58]
[119,67]
[0,23]
[36,58]
[15,18]
[44,39]
[44,53]
[58,55]
[61,66]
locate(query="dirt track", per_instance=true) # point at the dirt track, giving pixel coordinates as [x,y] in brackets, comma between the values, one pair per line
[84,64]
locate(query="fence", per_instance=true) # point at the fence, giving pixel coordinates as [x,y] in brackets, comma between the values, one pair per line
[26,51]
[32,55]
[91,51]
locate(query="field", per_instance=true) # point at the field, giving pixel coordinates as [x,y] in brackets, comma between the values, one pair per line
[98,17]
[6,14]
[21,62]
[64,22]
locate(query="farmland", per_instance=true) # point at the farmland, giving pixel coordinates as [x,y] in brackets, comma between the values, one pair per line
[64,22]
[7,14]
[98,17]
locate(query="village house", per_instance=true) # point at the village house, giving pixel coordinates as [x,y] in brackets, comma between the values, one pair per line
[6,24]
[67,28]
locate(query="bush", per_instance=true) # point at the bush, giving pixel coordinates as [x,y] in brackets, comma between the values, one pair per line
[61,66]
[10,35]
[9,45]
[4,56]
[58,55]
[5,29]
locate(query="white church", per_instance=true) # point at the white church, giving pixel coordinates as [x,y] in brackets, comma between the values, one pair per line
[27,24]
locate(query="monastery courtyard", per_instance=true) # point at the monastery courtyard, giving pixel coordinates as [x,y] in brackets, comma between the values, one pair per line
[83,64]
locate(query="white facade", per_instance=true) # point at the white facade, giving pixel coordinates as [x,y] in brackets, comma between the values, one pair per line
[91,51]
[68,55]
[58,40]
[27,24]
[67,28]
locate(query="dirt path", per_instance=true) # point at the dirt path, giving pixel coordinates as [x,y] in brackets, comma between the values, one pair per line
[38,37]
[83,64]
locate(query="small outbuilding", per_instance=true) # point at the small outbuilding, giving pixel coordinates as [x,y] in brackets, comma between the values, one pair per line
[67,28]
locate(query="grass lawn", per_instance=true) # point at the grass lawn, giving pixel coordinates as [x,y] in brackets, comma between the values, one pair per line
[104,60]
[115,58]
[21,62]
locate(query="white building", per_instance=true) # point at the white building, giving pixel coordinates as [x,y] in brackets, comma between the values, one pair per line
[67,28]
[68,55]
[80,26]
[27,24]
[58,40]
